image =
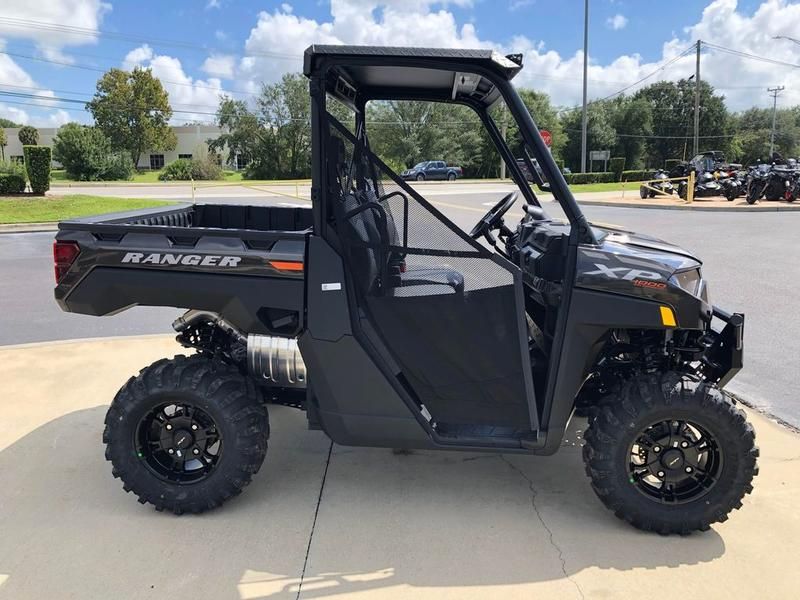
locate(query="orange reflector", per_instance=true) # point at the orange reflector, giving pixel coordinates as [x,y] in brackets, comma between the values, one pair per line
[286,265]
[668,317]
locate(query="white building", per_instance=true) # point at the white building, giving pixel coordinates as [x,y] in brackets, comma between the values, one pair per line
[191,142]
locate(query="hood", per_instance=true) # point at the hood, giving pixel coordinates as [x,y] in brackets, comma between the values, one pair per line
[618,235]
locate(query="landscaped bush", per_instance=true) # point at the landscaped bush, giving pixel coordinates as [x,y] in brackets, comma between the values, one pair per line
[11,183]
[85,152]
[185,169]
[578,178]
[637,175]
[37,165]
[617,165]
[12,177]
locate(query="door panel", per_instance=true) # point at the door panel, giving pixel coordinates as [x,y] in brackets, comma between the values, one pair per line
[450,312]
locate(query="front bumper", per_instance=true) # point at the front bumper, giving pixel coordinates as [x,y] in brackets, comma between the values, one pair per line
[725,355]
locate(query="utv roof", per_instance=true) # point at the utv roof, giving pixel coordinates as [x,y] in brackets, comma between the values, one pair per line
[378,72]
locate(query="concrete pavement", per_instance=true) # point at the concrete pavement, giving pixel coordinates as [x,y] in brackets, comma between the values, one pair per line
[424,525]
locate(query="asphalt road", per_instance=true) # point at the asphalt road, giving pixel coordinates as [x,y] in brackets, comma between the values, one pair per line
[749,263]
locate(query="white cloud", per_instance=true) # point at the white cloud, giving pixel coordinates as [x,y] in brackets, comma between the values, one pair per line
[14,114]
[617,22]
[137,57]
[58,118]
[220,65]
[197,99]
[213,4]
[519,4]
[53,20]
[277,41]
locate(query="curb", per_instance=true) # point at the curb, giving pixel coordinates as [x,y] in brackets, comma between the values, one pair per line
[28,227]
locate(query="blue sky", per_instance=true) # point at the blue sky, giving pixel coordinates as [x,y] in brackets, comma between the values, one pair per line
[204,48]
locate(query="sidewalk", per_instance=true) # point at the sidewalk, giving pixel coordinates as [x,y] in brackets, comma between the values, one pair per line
[425,525]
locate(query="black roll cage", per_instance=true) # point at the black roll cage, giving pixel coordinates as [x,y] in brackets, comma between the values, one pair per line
[324,76]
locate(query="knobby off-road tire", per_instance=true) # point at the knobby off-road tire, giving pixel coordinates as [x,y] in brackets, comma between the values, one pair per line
[215,390]
[617,424]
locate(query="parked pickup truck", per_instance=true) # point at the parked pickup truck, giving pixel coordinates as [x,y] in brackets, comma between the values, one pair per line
[245,262]
[432,169]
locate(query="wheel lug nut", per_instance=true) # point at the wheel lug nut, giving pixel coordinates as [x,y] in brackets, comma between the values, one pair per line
[194,426]
[168,427]
[661,473]
[196,451]
[684,444]
[688,469]
[656,448]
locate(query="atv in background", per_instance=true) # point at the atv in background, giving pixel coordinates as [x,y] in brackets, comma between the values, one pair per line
[706,186]
[773,182]
[660,183]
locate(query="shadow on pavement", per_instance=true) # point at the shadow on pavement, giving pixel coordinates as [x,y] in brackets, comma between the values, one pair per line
[388,525]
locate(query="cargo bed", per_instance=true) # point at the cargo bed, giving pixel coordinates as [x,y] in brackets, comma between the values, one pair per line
[245,262]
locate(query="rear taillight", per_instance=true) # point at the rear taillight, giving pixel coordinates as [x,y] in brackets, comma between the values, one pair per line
[64,254]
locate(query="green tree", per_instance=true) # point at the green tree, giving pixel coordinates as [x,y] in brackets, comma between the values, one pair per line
[8,123]
[672,104]
[601,134]
[28,136]
[546,117]
[632,119]
[3,144]
[86,154]
[753,128]
[285,109]
[241,130]
[133,110]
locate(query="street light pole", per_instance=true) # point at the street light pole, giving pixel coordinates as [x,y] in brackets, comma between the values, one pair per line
[585,119]
[786,37]
[696,144]
[774,91]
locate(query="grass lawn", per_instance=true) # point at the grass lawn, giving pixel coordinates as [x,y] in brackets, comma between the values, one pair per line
[59,175]
[14,209]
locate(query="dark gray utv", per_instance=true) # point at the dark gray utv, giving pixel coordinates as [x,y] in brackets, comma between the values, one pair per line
[390,326]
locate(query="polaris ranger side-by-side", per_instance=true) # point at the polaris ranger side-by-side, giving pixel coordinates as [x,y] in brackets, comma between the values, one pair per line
[392,327]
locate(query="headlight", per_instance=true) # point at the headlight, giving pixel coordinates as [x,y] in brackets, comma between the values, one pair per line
[690,281]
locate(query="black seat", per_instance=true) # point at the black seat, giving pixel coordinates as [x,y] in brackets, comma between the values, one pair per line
[371,231]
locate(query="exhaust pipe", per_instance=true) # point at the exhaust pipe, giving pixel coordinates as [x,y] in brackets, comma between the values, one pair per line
[272,361]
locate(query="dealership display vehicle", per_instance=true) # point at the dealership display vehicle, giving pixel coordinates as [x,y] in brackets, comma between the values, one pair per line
[390,326]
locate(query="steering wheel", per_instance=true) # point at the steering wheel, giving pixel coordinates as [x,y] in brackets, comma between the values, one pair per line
[493,219]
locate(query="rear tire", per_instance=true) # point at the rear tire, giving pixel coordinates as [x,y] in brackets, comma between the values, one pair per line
[643,191]
[698,475]
[682,188]
[212,400]
[451,177]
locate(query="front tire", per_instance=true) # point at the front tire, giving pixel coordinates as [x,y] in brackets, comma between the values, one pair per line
[669,455]
[186,434]
[420,177]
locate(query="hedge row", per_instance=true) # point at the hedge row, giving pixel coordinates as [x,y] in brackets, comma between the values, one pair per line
[11,183]
[37,164]
[637,175]
[578,178]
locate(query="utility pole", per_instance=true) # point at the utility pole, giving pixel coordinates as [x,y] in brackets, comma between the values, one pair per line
[696,144]
[774,91]
[585,117]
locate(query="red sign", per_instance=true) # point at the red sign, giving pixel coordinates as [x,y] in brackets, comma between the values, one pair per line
[547,138]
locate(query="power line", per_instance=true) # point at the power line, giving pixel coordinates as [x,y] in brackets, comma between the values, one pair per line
[126,37]
[649,75]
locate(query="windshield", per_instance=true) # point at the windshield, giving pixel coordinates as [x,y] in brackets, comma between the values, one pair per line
[420,165]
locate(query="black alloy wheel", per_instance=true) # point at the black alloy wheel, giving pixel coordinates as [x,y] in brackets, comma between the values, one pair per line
[178,442]
[674,462]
